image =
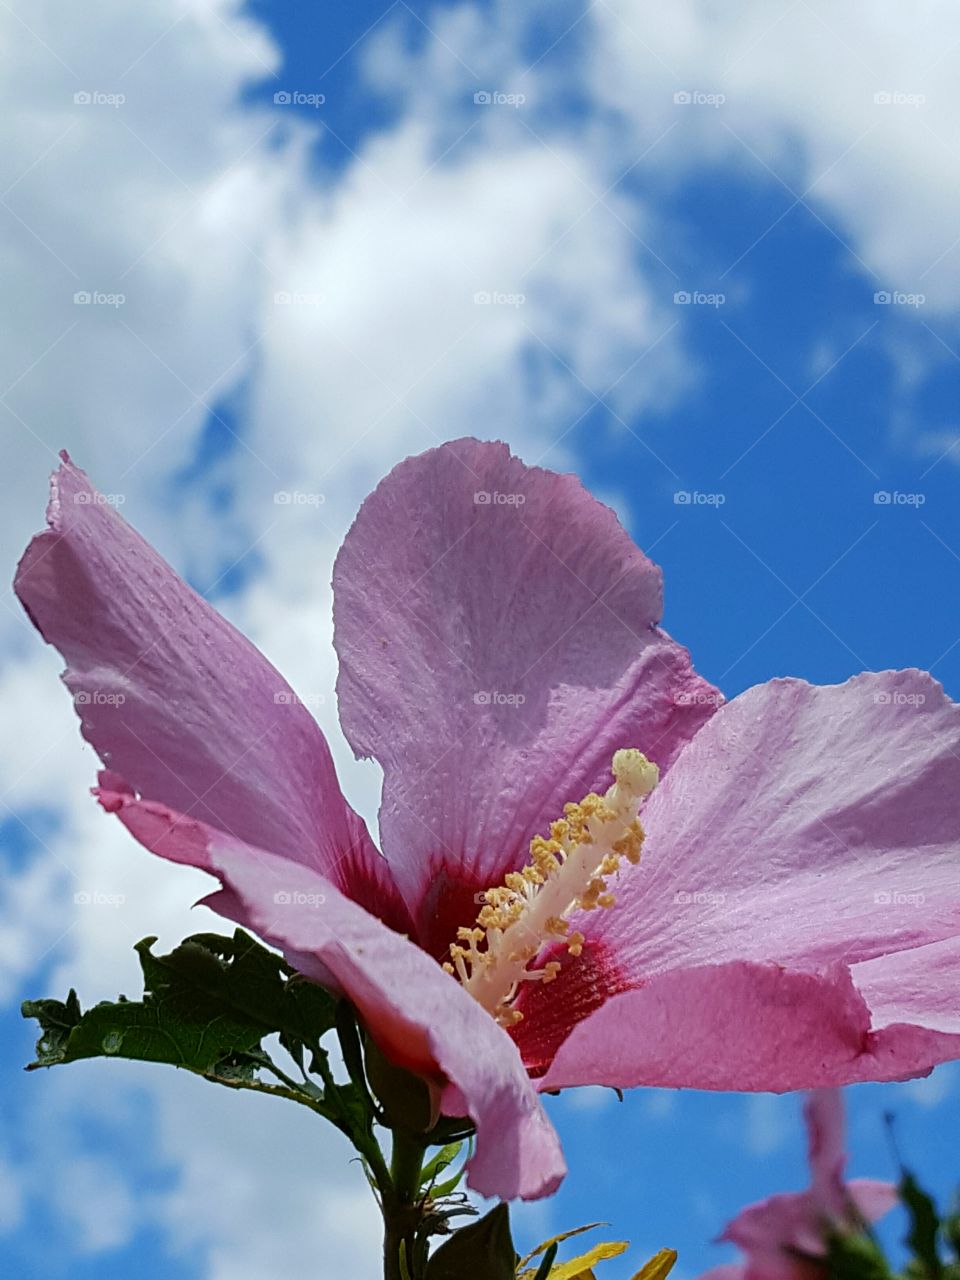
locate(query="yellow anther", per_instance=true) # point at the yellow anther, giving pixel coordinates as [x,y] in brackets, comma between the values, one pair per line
[568,871]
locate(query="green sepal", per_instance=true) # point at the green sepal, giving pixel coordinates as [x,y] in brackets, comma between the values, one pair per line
[404,1097]
[482,1250]
[922,1238]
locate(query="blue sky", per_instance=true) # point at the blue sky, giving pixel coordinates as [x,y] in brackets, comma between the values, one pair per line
[810,422]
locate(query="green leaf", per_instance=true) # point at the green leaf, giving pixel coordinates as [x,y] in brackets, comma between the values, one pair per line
[546,1263]
[447,1187]
[951,1228]
[249,979]
[173,1024]
[436,1164]
[206,1007]
[348,1033]
[481,1251]
[854,1256]
[924,1226]
[57,1020]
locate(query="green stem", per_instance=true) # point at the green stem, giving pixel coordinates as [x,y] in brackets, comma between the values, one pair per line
[406,1163]
[401,1207]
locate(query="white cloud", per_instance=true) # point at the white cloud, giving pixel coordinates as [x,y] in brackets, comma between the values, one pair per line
[165,199]
[419,323]
[933,1089]
[188,204]
[769,1122]
[11,1197]
[302,1206]
[853,107]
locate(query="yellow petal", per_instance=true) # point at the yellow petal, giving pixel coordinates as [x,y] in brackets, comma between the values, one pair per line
[577,1267]
[542,1248]
[660,1265]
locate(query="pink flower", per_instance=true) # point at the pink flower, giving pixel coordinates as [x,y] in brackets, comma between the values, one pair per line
[773,1232]
[794,919]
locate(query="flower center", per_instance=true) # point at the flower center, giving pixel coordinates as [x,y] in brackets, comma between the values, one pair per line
[567,872]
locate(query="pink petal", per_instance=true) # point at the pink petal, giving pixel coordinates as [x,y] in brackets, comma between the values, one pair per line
[771,1229]
[915,987]
[823,1113]
[872,1198]
[494,654]
[774,1230]
[176,701]
[419,1015]
[912,999]
[768,1230]
[803,825]
[808,827]
[741,1026]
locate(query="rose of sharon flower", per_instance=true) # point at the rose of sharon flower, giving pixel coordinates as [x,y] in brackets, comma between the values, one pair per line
[775,1232]
[792,919]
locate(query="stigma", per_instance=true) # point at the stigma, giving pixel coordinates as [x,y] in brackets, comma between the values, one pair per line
[568,871]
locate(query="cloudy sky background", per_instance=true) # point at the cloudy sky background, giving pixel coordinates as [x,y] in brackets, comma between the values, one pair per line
[300,284]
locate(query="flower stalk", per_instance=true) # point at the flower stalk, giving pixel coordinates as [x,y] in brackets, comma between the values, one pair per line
[402,1208]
